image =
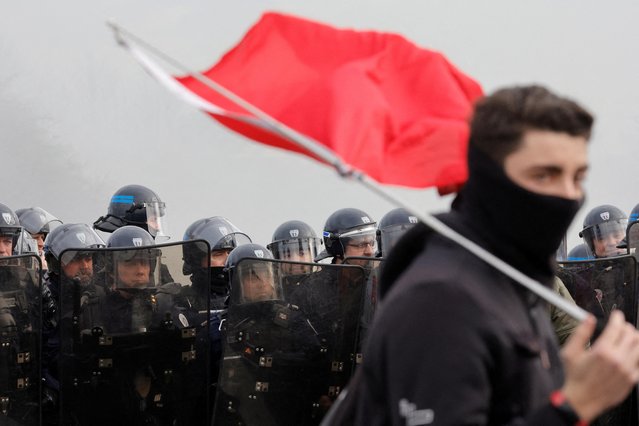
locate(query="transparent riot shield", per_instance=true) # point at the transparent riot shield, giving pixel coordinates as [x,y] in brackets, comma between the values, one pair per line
[372,267]
[135,349]
[287,356]
[600,286]
[20,305]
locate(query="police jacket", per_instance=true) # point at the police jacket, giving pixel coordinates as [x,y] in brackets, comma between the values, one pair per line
[456,342]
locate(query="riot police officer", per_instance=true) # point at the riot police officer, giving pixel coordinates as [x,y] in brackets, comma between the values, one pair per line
[294,241]
[269,347]
[391,227]
[603,229]
[135,205]
[73,270]
[131,303]
[348,232]
[10,232]
[38,223]
[222,237]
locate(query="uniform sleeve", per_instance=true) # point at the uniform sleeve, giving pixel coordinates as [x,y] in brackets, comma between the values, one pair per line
[431,359]
[562,323]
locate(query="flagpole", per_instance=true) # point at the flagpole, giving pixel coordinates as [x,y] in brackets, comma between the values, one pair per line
[346,171]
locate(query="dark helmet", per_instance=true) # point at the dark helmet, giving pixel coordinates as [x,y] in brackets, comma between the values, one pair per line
[295,240]
[70,236]
[244,251]
[10,227]
[340,227]
[580,252]
[391,227]
[606,224]
[634,214]
[240,269]
[130,236]
[218,231]
[37,220]
[140,245]
[134,205]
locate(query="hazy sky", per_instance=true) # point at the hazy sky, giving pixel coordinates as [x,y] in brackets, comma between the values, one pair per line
[79,118]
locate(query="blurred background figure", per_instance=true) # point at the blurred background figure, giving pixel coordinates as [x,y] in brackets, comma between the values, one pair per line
[580,252]
[135,205]
[391,227]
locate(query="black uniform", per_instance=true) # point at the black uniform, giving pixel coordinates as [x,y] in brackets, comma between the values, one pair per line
[457,342]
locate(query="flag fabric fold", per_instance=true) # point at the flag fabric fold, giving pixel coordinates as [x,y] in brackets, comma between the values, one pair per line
[385,106]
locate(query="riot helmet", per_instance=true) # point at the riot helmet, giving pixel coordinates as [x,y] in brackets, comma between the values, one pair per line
[135,205]
[391,227]
[63,250]
[135,264]
[580,252]
[38,223]
[222,237]
[603,229]
[10,232]
[295,240]
[252,279]
[348,232]
[631,242]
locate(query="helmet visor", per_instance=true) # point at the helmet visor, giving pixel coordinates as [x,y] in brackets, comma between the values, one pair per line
[257,281]
[38,221]
[156,221]
[135,268]
[391,234]
[78,237]
[230,241]
[605,237]
[296,250]
[359,242]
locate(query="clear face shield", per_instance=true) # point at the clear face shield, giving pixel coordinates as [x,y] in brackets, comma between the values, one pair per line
[391,234]
[604,238]
[156,221]
[26,243]
[220,251]
[135,269]
[296,250]
[38,221]
[78,266]
[258,281]
[360,242]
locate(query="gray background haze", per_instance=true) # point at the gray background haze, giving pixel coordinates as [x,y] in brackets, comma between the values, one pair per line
[79,118]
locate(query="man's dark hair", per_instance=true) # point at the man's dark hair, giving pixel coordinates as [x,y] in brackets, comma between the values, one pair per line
[500,120]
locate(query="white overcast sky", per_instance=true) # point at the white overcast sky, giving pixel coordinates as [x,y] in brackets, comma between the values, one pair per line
[79,118]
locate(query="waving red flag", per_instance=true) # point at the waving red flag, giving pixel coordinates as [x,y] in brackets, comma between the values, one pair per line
[385,106]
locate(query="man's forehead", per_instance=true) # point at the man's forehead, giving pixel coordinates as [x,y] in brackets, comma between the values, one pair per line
[545,148]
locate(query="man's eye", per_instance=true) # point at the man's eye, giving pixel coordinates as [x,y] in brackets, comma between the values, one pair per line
[541,177]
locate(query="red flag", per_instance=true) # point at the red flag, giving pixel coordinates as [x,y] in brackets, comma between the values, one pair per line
[385,106]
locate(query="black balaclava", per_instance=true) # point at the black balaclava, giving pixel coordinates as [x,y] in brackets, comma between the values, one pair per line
[521,227]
